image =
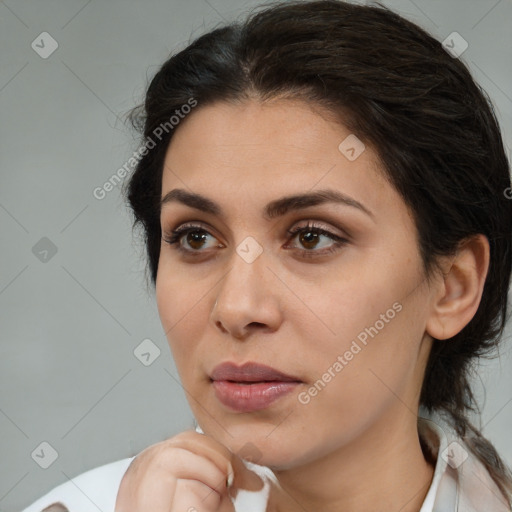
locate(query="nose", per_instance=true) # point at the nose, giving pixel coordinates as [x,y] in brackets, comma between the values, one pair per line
[247,300]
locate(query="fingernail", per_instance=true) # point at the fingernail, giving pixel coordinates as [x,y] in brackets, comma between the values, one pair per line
[231,476]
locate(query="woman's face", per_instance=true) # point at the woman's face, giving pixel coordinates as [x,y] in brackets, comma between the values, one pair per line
[347,320]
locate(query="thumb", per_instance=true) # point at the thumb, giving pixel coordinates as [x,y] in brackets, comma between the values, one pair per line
[240,477]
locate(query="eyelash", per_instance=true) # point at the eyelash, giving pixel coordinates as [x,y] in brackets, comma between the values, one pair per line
[175,236]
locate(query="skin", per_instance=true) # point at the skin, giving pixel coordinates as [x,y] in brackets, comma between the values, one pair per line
[353,446]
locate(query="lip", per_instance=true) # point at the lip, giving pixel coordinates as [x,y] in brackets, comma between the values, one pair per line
[250,387]
[250,397]
[250,372]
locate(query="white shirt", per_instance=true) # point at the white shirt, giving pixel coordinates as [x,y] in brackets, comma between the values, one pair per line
[460,482]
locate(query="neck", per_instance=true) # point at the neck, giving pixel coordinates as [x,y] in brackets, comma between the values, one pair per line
[384,468]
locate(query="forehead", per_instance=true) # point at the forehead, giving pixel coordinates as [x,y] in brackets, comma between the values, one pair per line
[262,151]
[290,129]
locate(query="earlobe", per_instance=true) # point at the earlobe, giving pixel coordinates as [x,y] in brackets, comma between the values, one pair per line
[456,298]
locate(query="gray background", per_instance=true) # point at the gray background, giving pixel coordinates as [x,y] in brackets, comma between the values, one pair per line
[70,324]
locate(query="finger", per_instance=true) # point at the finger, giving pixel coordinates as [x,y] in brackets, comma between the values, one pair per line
[151,483]
[187,465]
[179,462]
[206,446]
[244,478]
[153,491]
[219,454]
[194,495]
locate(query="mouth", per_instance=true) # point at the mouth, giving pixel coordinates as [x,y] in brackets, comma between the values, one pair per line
[252,386]
[248,383]
[251,396]
[250,372]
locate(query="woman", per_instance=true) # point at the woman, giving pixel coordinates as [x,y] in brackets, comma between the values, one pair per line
[323,194]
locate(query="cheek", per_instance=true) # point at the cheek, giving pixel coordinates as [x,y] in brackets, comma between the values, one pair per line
[342,310]
[366,344]
[353,385]
[176,295]
[179,307]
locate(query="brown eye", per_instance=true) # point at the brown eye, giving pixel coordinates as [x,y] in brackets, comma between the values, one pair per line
[196,238]
[190,239]
[310,238]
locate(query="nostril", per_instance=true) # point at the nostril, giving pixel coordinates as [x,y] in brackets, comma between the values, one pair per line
[256,324]
[220,326]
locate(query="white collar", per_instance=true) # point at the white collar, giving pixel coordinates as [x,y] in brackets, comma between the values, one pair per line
[460,482]
[442,494]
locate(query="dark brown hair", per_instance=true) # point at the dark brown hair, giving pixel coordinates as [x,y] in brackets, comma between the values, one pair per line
[399,91]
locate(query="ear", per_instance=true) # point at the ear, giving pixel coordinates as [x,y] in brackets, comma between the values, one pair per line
[458,292]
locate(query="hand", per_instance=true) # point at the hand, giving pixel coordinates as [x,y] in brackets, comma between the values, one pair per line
[186,473]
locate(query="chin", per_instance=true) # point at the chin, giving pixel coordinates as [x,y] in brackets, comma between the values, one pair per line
[257,446]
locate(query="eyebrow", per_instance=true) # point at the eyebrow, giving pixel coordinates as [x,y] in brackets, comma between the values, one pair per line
[276,208]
